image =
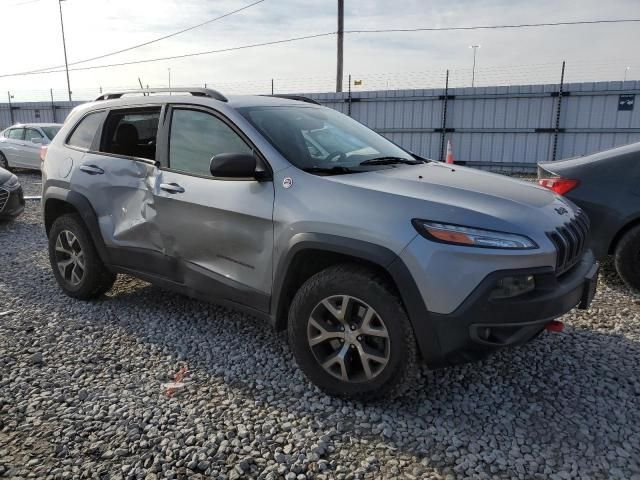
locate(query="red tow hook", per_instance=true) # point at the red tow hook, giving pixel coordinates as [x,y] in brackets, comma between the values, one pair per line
[554,326]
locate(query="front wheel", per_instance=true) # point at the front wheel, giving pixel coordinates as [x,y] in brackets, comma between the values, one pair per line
[75,261]
[4,163]
[627,258]
[351,336]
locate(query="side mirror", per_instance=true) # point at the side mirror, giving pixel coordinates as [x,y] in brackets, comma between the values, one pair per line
[37,140]
[233,165]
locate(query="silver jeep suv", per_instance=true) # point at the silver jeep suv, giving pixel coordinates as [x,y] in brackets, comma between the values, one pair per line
[374,259]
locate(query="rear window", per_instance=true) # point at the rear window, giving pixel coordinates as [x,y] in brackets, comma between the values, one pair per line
[132,133]
[50,132]
[86,131]
[31,133]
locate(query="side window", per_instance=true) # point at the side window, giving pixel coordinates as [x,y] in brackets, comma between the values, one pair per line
[30,133]
[196,137]
[16,133]
[132,133]
[86,131]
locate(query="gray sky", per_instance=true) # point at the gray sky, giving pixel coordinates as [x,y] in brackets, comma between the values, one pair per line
[397,60]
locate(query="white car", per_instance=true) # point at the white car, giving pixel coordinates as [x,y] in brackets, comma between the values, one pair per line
[20,144]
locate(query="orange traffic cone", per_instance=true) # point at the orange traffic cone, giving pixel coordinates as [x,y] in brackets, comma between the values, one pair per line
[450,158]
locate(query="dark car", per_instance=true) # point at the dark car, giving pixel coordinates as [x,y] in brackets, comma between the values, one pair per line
[607,186]
[11,197]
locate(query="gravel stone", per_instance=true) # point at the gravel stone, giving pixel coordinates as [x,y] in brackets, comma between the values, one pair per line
[36,359]
[81,392]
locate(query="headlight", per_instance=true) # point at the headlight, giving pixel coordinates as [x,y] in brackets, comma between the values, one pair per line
[472,237]
[12,182]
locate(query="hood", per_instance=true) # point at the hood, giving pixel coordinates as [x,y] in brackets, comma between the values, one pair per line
[468,196]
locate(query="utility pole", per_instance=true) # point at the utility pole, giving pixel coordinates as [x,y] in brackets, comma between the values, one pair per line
[340,45]
[169,81]
[473,72]
[64,46]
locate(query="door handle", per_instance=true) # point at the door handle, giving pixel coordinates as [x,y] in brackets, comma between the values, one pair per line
[171,188]
[92,169]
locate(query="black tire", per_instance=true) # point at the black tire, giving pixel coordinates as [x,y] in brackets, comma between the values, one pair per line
[96,279]
[360,283]
[627,258]
[4,163]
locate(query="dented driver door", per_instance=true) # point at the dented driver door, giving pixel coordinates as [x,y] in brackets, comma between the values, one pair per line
[218,231]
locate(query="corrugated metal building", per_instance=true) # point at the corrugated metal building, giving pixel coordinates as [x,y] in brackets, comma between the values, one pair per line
[499,127]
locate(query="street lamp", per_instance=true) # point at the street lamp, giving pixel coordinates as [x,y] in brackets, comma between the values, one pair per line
[64,46]
[473,71]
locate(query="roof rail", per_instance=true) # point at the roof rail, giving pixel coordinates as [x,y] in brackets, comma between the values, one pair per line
[299,98]
[196,92]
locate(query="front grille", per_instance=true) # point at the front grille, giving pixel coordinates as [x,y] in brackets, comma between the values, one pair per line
[4,198]
[570,241]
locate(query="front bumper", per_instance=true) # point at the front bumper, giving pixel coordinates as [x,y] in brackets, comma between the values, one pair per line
[481,325]
[11,202]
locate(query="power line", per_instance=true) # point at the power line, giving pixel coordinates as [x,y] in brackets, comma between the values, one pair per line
[306,37]
[19,4]
[173,57]
[149,42]
[492,27]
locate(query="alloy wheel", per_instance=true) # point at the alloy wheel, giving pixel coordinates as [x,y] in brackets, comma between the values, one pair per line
[348,338]
[69,258]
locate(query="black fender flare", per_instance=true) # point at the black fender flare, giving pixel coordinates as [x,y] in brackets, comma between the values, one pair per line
[426,336]
[82,205]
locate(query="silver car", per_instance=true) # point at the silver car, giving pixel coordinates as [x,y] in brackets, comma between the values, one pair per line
[372,258]
[20,144]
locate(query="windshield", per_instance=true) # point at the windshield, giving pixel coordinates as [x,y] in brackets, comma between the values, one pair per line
[321,139]
[50,132]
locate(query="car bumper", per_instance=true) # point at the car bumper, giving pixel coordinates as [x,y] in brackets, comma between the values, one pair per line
[11,202]
[481,325]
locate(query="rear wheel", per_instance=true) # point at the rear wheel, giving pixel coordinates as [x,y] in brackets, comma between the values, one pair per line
[351,336]
[627,258]
[75,261]
[4,163]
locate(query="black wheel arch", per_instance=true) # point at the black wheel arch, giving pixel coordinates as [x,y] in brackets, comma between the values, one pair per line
[327,250]
[58,201]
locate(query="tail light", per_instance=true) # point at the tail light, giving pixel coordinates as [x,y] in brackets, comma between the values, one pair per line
[43,152]
[559,185]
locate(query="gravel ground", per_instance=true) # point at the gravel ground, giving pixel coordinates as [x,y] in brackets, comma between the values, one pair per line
[81,392]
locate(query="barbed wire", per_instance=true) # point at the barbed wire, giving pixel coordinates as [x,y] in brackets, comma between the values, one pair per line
[459,76]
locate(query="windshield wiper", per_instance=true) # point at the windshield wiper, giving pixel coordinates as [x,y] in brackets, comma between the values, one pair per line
[390,161]
[330,170]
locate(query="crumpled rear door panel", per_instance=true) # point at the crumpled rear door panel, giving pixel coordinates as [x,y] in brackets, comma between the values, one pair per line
[122,198]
